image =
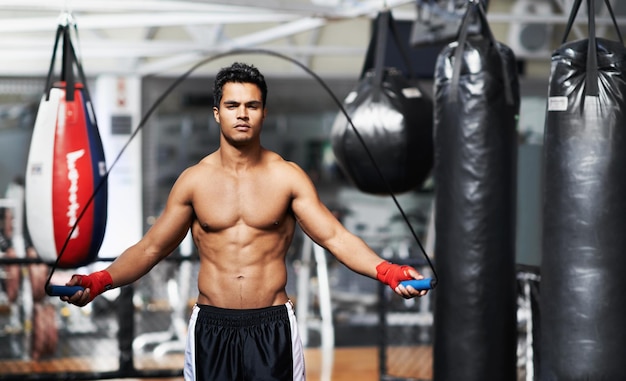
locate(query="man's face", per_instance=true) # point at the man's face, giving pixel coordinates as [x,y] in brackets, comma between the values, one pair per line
[240,113]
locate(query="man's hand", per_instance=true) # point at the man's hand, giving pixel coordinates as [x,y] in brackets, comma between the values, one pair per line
[94,284]
[392,274]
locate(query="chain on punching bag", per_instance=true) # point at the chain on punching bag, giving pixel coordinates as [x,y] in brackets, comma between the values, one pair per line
[66,168]
[476,109]
[394,119]
[583,309]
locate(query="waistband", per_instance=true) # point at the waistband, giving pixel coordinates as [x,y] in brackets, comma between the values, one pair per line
[242,317]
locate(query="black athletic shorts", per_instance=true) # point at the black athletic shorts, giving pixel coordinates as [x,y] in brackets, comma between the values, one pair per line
[244,345]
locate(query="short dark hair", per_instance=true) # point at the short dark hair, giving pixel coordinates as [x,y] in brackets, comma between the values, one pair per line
[241,73]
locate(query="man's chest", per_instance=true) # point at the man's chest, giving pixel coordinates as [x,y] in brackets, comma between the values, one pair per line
[258,204]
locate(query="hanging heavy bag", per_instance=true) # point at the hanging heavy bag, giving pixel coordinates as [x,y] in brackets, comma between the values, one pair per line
[66,192]
[393,119]
[476,108]
[583,309]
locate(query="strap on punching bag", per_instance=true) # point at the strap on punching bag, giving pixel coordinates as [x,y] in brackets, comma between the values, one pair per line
[83,79]
[591,11]
[50,76]
[67,70]
[377,49]
[69,59]
[591,85]
[475,7]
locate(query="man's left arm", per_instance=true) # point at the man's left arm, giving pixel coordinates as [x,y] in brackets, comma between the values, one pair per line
[325,229]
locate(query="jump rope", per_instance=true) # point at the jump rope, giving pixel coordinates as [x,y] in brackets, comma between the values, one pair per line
[418,284]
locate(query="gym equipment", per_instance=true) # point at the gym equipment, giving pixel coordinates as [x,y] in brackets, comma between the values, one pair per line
[53,290]
[308,318]
[420,284]
[126,357]
[393,117]
[476,107]
[584,214]
[179,291]
[66,167]
[373,162]
[528,316]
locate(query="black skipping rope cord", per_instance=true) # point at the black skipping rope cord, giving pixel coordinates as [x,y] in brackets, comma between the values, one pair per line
[184,76]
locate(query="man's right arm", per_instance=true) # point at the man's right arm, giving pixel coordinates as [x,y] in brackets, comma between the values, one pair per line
[136,261]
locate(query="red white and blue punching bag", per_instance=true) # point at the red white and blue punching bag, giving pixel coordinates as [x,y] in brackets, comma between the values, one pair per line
[66,190]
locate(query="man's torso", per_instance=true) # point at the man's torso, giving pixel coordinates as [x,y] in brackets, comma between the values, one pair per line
[242,228]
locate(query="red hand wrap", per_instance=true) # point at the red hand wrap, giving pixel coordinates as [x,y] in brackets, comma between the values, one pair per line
[392,274]
[97,282]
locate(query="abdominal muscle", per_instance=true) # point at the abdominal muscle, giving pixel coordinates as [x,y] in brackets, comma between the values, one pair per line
[242,276]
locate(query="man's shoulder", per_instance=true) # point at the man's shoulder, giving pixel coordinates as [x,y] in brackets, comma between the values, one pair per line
[208,162]
[278,162]
[199,169]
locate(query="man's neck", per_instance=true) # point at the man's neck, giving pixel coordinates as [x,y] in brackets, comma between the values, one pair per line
[240,158]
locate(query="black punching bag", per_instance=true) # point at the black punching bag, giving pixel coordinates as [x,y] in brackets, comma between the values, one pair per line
[393,120]
[476,111]
[583,308]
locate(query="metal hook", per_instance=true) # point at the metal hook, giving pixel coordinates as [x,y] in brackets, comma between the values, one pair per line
[66,18]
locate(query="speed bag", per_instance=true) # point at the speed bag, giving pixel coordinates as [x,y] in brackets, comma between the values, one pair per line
[395,124]
[66,190]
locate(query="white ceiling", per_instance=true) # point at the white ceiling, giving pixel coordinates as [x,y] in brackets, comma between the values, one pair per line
[157,36]
[147,37]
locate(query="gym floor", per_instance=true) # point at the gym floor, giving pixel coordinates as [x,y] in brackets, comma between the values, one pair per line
[349,363]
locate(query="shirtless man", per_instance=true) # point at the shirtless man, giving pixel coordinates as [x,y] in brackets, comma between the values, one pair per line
[242,203]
